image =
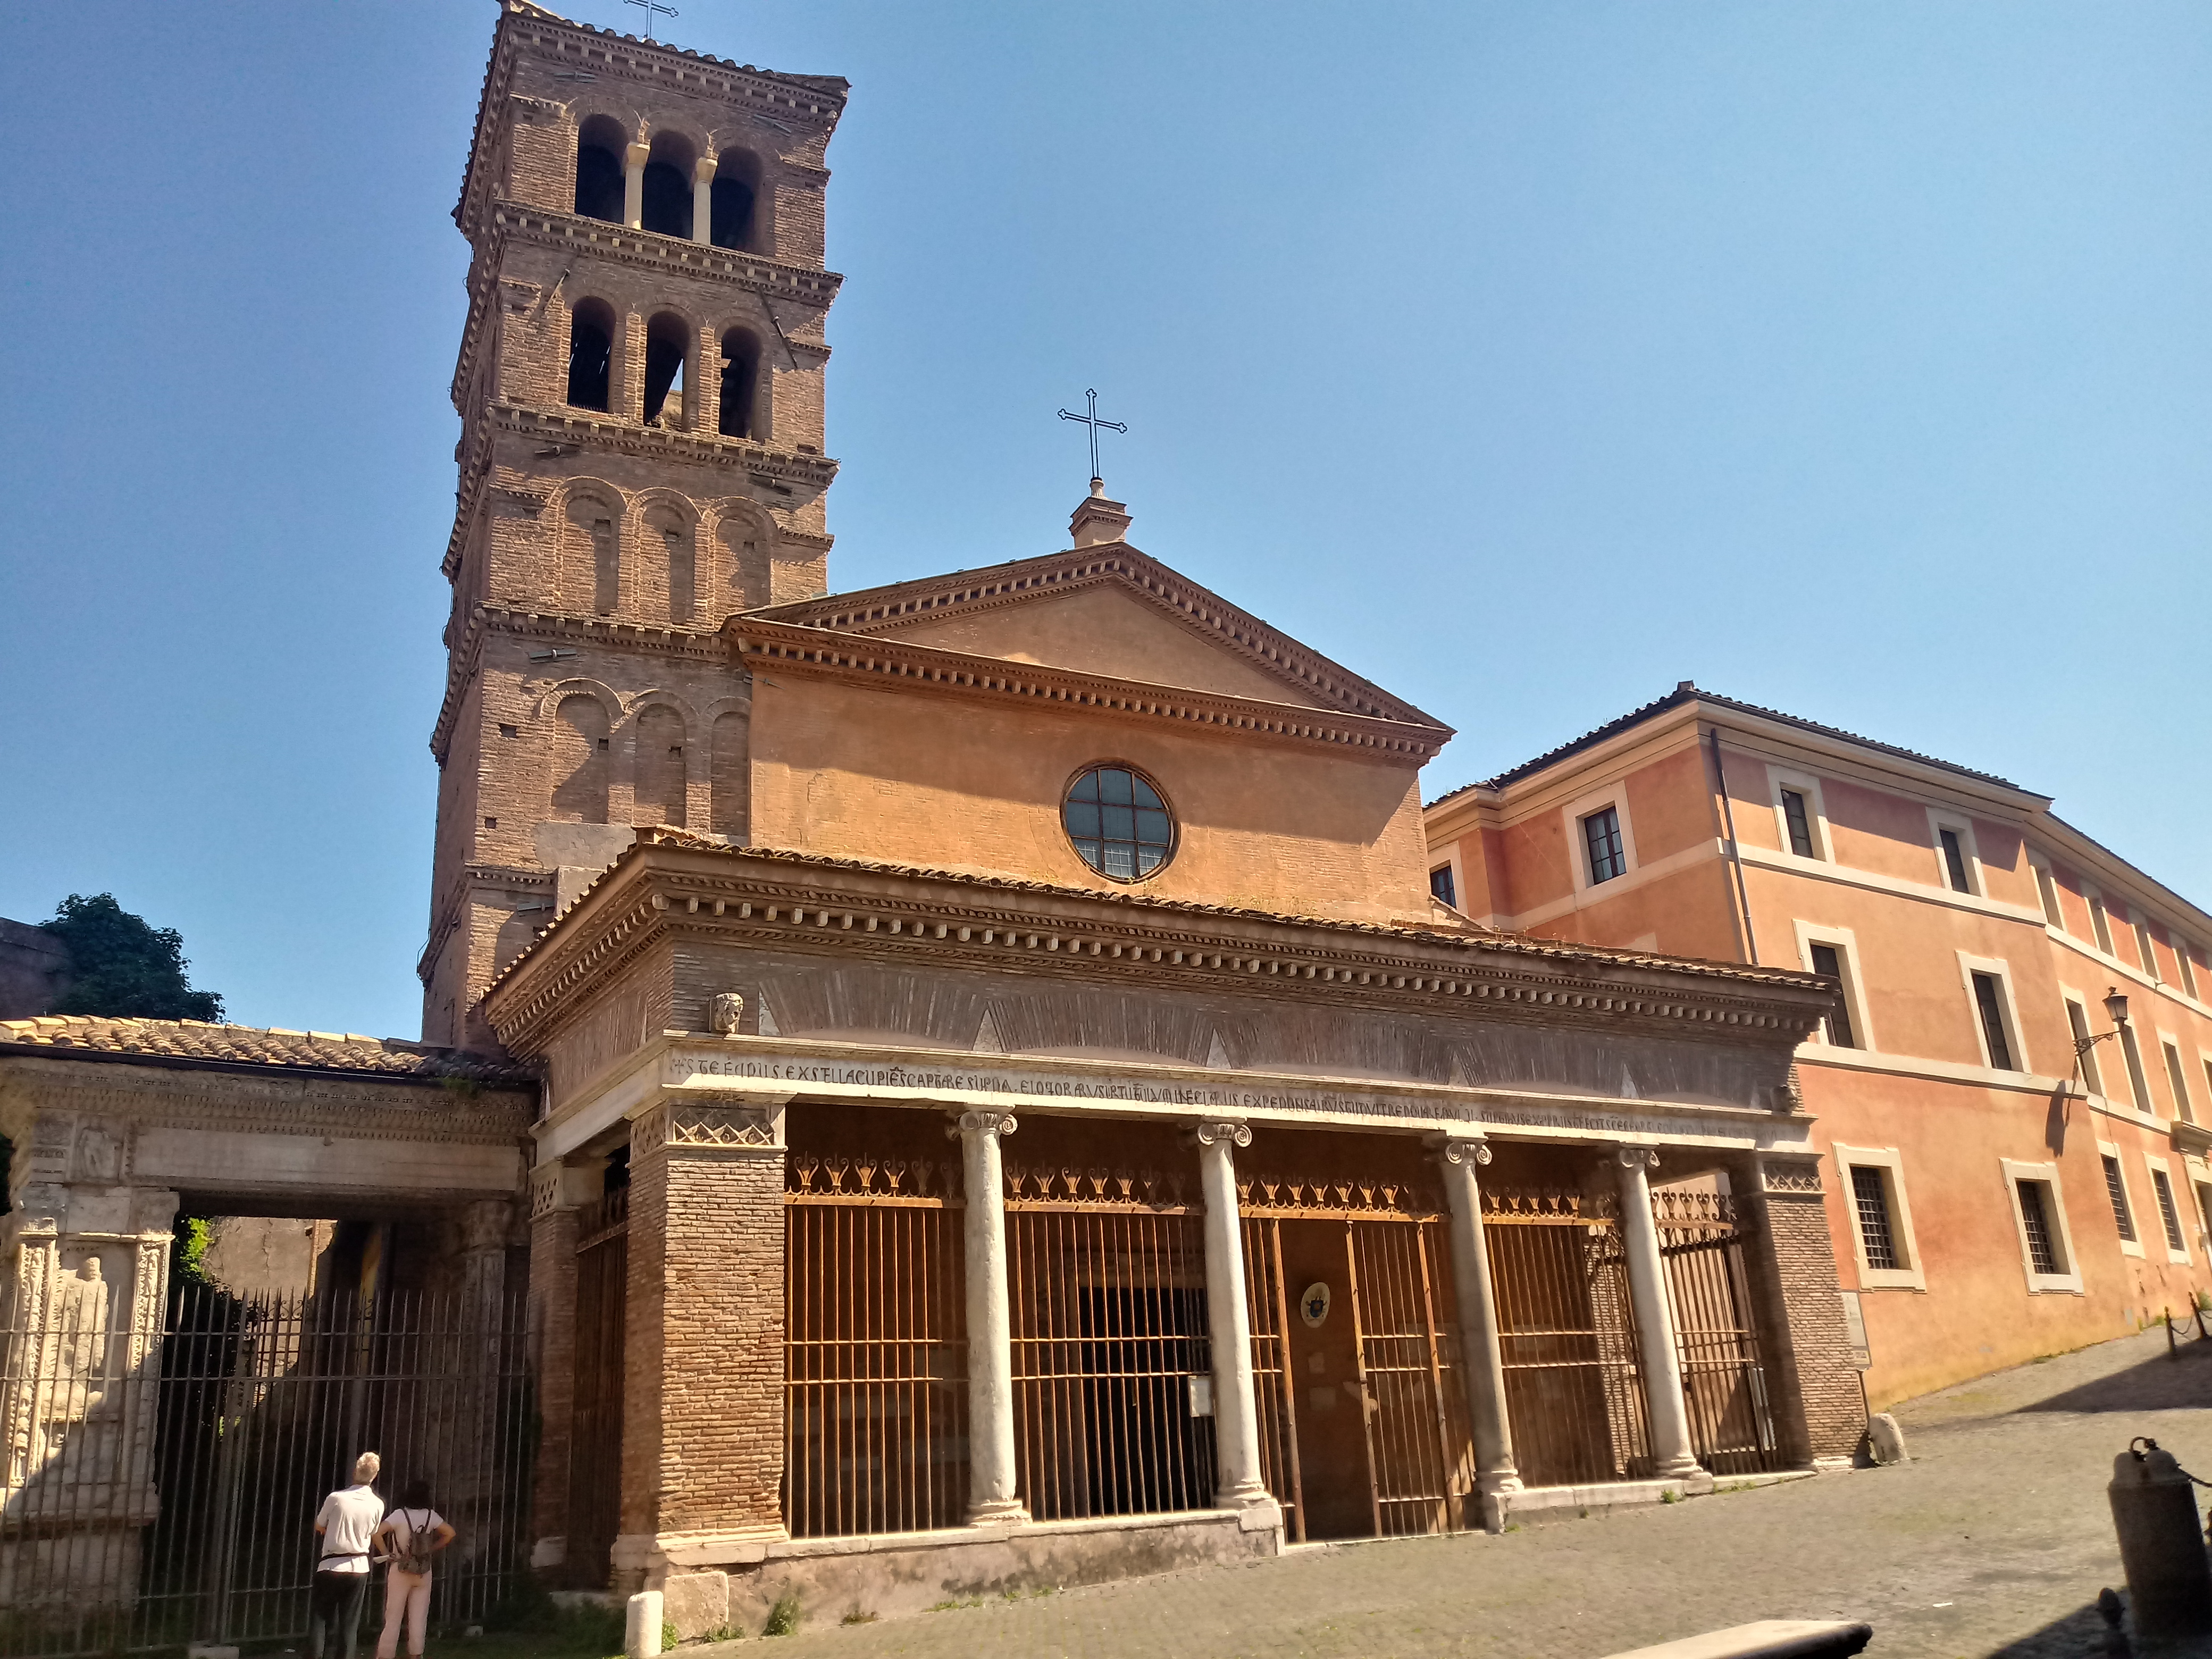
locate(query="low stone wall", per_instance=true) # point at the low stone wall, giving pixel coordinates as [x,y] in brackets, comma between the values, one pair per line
[835,1578]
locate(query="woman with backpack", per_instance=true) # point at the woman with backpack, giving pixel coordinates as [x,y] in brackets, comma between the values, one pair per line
[412,1537]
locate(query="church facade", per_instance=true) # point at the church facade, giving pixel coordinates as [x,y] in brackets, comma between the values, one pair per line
[1013,1112]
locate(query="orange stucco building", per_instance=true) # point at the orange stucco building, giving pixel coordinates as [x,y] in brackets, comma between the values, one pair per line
[1992,1198]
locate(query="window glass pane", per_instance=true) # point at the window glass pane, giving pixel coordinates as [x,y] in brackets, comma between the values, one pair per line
[1800,825]
[1989,1001]
[1110,830]
[1827,962]
[2123,1217]
[1954,861]
[1440,884]
[1870,1196]
[1601,831]
[2167,1216]
[2042,1248]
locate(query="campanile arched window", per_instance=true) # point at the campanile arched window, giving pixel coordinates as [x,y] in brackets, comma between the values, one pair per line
[599,146]
[1119,822]
[740,368]
[591,354]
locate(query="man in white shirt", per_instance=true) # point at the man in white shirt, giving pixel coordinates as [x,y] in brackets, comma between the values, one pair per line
[347,1526]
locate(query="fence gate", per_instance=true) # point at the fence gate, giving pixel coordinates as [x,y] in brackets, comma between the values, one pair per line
[1386,1251]
[596,1422]
[1113,1368]
[160,1488]
[1731,1418]
[1574,1392]
[875,1346]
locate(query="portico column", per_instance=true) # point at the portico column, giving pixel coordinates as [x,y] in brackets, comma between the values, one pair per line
[1496,1474]
[991,1489]
[1667,1411]
[702,199]
[557,1191]
[633,184]
[1239,1479]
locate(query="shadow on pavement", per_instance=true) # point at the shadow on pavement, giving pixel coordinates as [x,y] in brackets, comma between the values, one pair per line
[2080,1634]
[2178,1381]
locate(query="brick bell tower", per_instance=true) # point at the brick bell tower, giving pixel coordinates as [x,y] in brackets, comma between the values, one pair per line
[640,388]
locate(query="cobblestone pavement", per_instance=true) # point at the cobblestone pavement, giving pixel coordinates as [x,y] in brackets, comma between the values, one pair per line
[1994,1540]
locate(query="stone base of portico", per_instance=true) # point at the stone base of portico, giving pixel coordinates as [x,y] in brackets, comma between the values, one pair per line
[1533,1504]
[732,1583]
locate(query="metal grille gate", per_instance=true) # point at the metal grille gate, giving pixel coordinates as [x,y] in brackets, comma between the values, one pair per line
[1723,1382]
[1574,1391]
[1106,1293]
[1420,1449]
[160,1487]
[595,1428]
[875,1346]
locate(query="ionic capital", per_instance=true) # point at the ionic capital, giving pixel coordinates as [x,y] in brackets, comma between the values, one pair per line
[1236,1134]
[1466,1149]
[1637,1157]
[997,1124]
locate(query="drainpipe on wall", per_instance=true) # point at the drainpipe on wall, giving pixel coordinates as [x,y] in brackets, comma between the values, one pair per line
[1749,940]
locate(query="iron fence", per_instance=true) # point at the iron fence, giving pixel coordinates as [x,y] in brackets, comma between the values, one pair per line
[875,1344]
[162,1485]
[1724,1380]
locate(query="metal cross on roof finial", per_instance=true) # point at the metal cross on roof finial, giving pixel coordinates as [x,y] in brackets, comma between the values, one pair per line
[1092,421]
[650,7]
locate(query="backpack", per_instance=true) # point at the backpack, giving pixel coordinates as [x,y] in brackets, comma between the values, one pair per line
[415,1554]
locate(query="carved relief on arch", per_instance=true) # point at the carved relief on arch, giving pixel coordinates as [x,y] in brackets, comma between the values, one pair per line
[667,588]
[587,562]
[745,537]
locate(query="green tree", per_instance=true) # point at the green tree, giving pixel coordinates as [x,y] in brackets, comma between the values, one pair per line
[122,968]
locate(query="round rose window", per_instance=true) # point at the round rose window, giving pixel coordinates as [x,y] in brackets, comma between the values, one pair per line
[1118,822]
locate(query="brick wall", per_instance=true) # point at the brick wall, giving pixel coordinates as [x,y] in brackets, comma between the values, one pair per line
[1821,1410]
[702,1401]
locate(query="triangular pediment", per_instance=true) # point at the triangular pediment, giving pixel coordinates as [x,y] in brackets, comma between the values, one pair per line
[1108,610]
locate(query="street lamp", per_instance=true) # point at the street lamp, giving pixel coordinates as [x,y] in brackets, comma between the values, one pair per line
[2116,1010]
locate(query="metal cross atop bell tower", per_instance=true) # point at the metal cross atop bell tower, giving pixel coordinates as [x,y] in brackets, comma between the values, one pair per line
[1092,421]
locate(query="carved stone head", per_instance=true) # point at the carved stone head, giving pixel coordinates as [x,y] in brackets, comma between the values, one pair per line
[724,1010]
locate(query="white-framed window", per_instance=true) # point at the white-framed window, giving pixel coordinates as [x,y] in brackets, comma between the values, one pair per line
[2046,888]
[2138,1079]
[1443,885]
[1801,815]
[1601,839]
[2100,921]
[2039,1217]
[1882,1220]
[2147,953]
[1997,1022]
[2124,1208]
[1957,864]
[1835,952]
[2204,1214]
[2077,1022]
[2177,1078]
[2185,954]
[2169,1210]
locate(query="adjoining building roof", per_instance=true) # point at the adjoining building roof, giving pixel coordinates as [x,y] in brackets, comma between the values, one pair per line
[1688,692]
[194,1042]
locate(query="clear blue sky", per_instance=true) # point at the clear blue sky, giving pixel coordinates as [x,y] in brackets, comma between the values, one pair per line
[1851,359]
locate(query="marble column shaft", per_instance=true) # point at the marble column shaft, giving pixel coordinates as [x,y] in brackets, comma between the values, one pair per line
[1239,1479]
[992,1494]
[1666,1409]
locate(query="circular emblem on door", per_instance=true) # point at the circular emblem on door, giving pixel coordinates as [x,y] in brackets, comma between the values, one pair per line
[1313,1303]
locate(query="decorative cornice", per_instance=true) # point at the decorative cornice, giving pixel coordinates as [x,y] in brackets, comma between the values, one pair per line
[700,1123]
[1792,1177]
[810,100]
[589,428]
[671,884]
[884,610]
[465,658]
[669,256]
[858,657]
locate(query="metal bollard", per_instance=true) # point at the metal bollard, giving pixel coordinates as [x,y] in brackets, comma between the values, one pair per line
[2169,1571]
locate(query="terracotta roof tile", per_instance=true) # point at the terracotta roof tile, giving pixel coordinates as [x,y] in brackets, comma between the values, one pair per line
[323,1051]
